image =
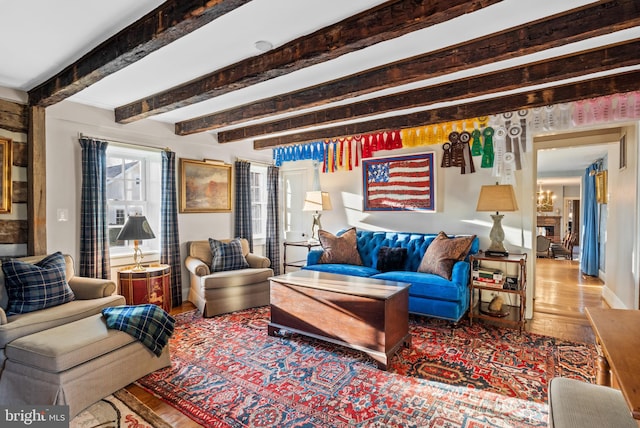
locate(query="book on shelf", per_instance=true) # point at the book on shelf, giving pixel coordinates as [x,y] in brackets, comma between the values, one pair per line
[490,284]
[487,273]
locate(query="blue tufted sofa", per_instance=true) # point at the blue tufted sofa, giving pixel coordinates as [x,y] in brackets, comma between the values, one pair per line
[429,294]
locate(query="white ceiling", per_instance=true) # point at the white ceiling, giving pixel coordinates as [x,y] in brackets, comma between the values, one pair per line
[41,37]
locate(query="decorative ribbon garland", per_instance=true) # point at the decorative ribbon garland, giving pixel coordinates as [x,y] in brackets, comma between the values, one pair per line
[504,156]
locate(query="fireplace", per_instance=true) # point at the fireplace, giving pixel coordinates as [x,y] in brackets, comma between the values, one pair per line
[551,225]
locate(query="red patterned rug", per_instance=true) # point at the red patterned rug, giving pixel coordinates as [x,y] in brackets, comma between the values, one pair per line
[227,372]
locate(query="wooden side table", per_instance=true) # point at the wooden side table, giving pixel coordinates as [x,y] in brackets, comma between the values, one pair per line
[147,286]
[298,263]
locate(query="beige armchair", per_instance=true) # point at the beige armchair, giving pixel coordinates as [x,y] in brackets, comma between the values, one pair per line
[227,291]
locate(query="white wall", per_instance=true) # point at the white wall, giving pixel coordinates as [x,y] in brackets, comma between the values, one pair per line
[64,122]
[621,236]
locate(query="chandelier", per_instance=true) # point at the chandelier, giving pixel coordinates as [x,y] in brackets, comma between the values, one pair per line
[545,200]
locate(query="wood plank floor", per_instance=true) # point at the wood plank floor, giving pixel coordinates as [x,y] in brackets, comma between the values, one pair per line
[561,295]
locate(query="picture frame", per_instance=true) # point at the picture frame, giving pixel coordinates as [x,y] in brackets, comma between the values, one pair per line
[6,187]
[601,187]
[400,183]
[205,186]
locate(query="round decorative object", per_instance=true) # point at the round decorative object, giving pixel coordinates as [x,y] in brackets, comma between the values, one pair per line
[464,137]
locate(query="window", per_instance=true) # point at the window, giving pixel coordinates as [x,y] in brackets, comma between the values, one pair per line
[133,188]
[259,201]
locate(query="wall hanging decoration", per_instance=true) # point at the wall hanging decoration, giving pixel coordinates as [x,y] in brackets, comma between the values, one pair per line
[205,186]
[399,183]
[5,174]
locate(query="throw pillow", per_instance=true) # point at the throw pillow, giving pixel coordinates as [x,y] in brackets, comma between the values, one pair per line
[443,253]
[227,256]
[35,286]
[391,258]
[340,249]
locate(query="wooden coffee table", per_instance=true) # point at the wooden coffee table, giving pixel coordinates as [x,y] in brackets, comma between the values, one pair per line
[368,315]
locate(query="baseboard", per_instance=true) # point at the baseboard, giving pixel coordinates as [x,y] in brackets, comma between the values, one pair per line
[612,300]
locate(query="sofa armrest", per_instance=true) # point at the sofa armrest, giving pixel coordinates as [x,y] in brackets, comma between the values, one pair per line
[196,266]
[313,257]
[256,261]
[91,288]
[461,273]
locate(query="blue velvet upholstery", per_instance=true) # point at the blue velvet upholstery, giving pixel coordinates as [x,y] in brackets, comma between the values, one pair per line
[429,294]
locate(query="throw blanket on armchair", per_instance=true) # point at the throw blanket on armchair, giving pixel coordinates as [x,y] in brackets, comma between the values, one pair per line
[150,324]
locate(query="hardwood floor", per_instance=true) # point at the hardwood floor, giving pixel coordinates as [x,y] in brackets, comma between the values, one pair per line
[561,295]
[562,292]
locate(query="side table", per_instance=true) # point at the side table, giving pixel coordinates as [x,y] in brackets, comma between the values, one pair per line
[298,263]
[147,286]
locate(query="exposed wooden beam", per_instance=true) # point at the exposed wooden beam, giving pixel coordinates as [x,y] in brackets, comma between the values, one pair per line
[572,26]
[623,82]
[560,68]
[37,182]
[13,116]
[389,20]
[168,22]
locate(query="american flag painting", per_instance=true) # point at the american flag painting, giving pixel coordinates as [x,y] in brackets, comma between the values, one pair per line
[401,183]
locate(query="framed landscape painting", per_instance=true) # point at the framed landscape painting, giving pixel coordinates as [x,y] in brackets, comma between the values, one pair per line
[399,183]
[205,186]
[6,188]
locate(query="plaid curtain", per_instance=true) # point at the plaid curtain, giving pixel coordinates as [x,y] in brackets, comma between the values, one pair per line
[243,225]
[273,218]
[94,233]
[170,239]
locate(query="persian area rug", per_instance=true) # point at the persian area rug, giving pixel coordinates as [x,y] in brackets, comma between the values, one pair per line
[119,410]
[227,372]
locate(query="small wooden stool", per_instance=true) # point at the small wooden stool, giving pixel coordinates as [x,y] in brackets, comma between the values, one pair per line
[577,404]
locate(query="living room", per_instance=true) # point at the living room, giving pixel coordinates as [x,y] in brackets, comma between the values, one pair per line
[456,194]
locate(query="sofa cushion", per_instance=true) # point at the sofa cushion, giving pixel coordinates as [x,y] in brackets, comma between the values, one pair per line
[33,287]
[391,259]
[426,285]
[343,269]
[227,256]
[443,252]
[236,278]
[23,324]
[69,345]
[339,249]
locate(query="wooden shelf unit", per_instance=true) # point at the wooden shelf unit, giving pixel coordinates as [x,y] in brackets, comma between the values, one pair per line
[297,263]
[512,265]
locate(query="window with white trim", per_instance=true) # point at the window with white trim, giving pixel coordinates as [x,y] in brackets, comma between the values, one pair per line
[259,201]
[133,188]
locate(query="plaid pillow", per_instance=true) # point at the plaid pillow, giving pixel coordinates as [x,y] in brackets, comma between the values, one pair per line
[32,287]
[227,256]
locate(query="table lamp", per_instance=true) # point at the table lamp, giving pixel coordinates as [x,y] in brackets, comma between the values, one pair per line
[498,197]
[317,201]
[136,229]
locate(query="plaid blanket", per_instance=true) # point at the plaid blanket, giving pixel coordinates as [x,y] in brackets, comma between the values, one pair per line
[150,324]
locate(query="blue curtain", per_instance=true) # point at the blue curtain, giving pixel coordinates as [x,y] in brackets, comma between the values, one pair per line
[272,250]
[170,239]
[94,233]
[243,227]
[589,243]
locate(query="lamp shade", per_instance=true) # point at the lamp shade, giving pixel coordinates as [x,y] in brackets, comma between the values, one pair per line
[498,197]
[136,229]
[317,201]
